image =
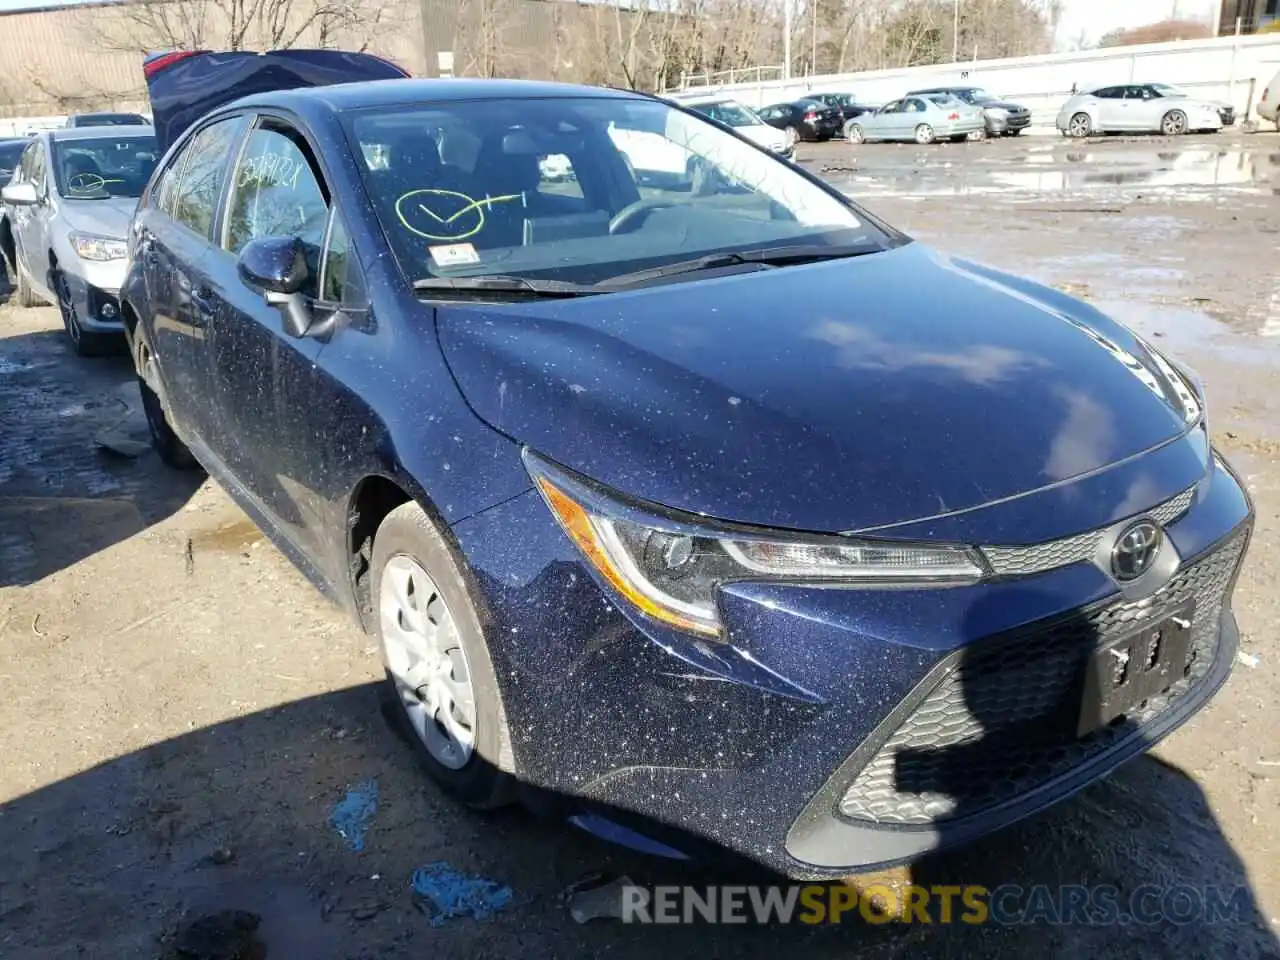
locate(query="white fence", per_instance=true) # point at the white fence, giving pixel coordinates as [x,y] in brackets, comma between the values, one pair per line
[1234,69]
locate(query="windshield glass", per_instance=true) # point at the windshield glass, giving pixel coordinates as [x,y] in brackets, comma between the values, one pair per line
[1166,91]
[580,189]
[103,167]
[728,112]
[9,156]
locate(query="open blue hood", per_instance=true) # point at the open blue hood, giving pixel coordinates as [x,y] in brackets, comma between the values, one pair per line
[836,396]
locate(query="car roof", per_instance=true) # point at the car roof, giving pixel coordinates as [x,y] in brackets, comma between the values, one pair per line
[100,133]
[391,93]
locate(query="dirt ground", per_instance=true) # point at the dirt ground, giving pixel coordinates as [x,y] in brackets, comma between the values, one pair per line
[181,711]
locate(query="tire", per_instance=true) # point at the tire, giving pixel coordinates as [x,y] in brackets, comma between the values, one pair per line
[960,138]
[924,134]
[23,293]
[173,452]
[855,133]
[793,135]
[1173,123]
[84,342]
[1080,125]
[409,549]
[1014,133]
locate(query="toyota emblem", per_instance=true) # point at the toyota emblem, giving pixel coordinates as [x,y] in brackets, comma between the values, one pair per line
[1135,550]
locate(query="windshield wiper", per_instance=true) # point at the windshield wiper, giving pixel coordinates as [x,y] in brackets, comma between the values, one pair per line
[765,257]
[519,286]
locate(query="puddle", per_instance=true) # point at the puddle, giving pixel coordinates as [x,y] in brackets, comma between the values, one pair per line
[228,538]
[1191,174]
[1183,329]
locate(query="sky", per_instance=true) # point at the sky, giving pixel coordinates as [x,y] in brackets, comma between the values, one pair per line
[1093,18]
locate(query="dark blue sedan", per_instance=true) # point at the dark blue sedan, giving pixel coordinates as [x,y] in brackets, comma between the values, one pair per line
[653,532]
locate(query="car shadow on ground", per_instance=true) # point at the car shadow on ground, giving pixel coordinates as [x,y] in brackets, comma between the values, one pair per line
[64,495]
[236,816]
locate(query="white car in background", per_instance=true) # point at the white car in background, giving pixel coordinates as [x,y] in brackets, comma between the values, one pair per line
[744,121]
[1138,108]
[1269,102]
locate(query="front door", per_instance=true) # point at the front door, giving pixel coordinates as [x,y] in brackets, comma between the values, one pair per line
[263,378]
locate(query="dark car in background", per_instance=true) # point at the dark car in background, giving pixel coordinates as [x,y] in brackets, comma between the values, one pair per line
[803,119]
[10,154]
[107,120]
[648,526]
[1003,117]
[846,104]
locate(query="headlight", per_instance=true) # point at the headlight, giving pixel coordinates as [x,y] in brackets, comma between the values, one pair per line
[1183,383]
[668,566]
[89,247]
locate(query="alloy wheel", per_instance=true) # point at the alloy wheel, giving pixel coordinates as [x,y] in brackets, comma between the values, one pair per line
[1174,123]
[67,308]
[1080,125]
[855,134]
[424,656]
[924,133]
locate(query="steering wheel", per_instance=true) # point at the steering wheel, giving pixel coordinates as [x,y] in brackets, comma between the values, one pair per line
[636,211]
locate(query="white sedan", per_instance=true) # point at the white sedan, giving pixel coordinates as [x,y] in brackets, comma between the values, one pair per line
[1138,108]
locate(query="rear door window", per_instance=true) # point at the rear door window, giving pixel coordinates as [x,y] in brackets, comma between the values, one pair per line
[195,200]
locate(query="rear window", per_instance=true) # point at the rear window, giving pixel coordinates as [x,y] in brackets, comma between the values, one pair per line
[579,189]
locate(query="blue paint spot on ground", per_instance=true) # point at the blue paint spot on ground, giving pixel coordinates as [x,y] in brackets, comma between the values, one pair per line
[351,816]
[449,894]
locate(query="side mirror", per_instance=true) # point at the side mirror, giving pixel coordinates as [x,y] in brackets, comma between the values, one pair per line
[20,194]
[278,266]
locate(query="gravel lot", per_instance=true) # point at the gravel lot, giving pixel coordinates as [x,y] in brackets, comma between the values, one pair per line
[182,711]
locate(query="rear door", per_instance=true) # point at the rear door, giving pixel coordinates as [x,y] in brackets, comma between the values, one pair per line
[186,85]
[177,249]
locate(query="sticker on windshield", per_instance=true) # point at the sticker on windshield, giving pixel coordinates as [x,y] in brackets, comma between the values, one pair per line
[445,214]
[453,254]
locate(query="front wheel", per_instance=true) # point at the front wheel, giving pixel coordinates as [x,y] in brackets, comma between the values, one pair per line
[1173,123]
[924,134]
[440,680]
[1079,126]
[793,135]
[1013,133]
[83,342]
[855,134]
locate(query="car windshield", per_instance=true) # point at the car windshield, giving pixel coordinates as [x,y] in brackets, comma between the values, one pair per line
[1164,90]
[581,189]
[10,153]
[103,167]
[729,113]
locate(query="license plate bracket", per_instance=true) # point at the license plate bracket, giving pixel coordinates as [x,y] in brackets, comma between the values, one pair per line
[1124,673]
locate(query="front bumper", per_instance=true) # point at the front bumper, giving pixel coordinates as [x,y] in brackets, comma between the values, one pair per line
[95,291]
[1014,121]
[820,693]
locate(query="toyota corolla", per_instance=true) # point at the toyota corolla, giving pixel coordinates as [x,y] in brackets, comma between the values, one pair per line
[650,529]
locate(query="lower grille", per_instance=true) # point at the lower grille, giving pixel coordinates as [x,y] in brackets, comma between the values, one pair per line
[1004,720]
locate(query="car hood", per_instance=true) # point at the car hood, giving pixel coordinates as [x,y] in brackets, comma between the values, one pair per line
[105,218]
[838,396]
[1003,105]
[766,136]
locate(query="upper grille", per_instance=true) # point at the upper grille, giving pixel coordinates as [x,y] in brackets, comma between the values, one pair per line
[1021,561]
[1004,720]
